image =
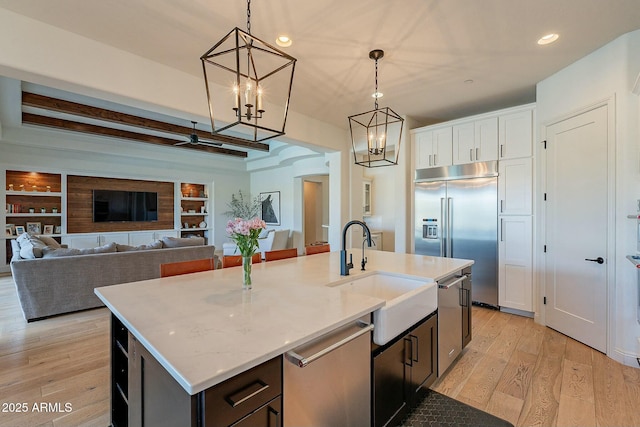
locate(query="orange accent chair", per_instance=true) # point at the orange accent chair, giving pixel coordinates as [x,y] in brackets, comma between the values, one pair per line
[317,249]
[236,260]
[280,254]
[186,267]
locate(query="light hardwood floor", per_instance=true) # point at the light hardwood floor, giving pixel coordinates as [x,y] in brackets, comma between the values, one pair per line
[525,373]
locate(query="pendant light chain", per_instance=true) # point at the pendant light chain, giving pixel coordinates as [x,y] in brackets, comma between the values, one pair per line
[376,92]
[249,16]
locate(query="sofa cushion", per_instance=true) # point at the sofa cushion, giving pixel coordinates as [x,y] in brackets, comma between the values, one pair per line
[49,252]
[178,242]
[126,248]
[30,246]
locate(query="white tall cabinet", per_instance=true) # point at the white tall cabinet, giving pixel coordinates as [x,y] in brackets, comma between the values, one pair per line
[507,136]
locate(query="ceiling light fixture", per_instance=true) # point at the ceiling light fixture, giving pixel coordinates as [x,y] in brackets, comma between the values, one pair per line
[376,134]
[260,89]
[549,38]
[284,41]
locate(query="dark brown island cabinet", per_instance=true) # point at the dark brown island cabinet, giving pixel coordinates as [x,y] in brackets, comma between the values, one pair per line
[143,393]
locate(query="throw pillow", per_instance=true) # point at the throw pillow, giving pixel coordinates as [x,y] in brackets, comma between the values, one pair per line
[30,246]
[179,242]
[50,241]
[126,248]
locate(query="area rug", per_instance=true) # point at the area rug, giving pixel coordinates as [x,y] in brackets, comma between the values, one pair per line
[436,409]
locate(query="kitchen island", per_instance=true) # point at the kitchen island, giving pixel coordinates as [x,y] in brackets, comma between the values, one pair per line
[202,329]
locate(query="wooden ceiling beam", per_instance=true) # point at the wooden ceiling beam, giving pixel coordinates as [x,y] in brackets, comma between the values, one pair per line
[38,120]
[88,111]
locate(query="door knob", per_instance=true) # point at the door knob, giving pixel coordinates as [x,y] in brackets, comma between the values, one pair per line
[599,260]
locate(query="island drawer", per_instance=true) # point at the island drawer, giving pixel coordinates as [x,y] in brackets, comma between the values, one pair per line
[239,396]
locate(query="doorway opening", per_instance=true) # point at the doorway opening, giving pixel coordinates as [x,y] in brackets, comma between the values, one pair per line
[315,189]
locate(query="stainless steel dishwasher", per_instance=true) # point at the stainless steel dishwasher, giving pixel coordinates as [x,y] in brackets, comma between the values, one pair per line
[451,299]
[328,382]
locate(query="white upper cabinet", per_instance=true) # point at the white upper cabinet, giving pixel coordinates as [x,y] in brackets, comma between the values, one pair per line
[516,134]
[515,186]
[475,141]
[433,148]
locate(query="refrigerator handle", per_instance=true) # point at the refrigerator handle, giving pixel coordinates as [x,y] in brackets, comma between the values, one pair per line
[443,228]
[449,229]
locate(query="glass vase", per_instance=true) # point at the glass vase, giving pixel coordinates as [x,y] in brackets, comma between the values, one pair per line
[246,272]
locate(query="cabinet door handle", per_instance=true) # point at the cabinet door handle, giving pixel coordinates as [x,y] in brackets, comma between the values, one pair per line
[415,352]
[429,159]
[435,161]
[408,354]
[501,229]
[275,416]
[501,205]
[501,150]
[471,154]
[246,393]
[477,153]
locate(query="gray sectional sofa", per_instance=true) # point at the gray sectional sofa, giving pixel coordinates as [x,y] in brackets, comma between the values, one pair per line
[64,282]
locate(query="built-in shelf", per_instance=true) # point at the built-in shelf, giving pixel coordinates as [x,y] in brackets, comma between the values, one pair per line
[34,214]
[193,214]
[195,199]
[184,230]
[34,193]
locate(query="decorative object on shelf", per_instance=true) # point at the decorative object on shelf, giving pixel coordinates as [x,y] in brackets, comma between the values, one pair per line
[48,189]
[245,235]
[202,194]
[376,134]
[186,225]
[43,210]
[202,225]
[10,187]
[258,71]
[203,209]
[19,229]
[243,207]
[22,187]
[54,210]
[270,207]
[34,188]
[32,210]
[58,229]
[34,227]
[191,211]
[10,229]
[48,229]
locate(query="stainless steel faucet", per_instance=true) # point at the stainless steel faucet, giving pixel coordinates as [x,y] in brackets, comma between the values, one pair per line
[344,266]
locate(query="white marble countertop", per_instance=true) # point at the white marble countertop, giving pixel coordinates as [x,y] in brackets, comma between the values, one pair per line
[204,329]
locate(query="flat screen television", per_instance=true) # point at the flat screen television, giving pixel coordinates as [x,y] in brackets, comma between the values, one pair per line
[118,206]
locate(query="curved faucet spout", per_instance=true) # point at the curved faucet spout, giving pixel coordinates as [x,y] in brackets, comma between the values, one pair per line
[344,266]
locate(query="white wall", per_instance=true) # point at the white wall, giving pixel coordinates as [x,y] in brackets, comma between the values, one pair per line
[609,72]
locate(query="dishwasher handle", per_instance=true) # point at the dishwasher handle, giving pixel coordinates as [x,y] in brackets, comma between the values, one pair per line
[302,361]
[447,285]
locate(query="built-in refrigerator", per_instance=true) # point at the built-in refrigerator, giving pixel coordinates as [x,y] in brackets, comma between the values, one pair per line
[456,216]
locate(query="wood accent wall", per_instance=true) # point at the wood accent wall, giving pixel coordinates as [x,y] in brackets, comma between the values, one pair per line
[80,204]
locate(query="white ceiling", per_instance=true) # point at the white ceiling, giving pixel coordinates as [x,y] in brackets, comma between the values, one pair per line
[431,46]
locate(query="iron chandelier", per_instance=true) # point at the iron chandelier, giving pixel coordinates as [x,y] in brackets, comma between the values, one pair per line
[376,134]
[254,104]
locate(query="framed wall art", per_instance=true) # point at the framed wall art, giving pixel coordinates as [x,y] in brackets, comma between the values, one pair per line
[270,207]
[34,227]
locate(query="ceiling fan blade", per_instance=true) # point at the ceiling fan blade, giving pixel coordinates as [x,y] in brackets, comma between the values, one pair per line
[210,144]
[182,143]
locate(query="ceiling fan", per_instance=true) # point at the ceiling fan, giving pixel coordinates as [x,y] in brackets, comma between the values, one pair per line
[194,140]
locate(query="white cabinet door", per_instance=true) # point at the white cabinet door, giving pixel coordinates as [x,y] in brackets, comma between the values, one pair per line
[423,149]
[515,276]
[442,147]
[82,241]
[486,140]
[516,134]
[141,238]
[463,143]
[515,186]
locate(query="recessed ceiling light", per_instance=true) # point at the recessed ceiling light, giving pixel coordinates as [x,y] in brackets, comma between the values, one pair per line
[549,38]
[284,41]
[468,81]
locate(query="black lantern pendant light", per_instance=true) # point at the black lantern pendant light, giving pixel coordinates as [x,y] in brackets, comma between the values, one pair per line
[376,134]
[248,84]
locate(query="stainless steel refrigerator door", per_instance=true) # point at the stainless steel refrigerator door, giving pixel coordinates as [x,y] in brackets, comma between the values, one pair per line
[473,212]
[430,201]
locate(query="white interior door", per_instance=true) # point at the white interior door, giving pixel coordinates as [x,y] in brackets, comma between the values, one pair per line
[577,226]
